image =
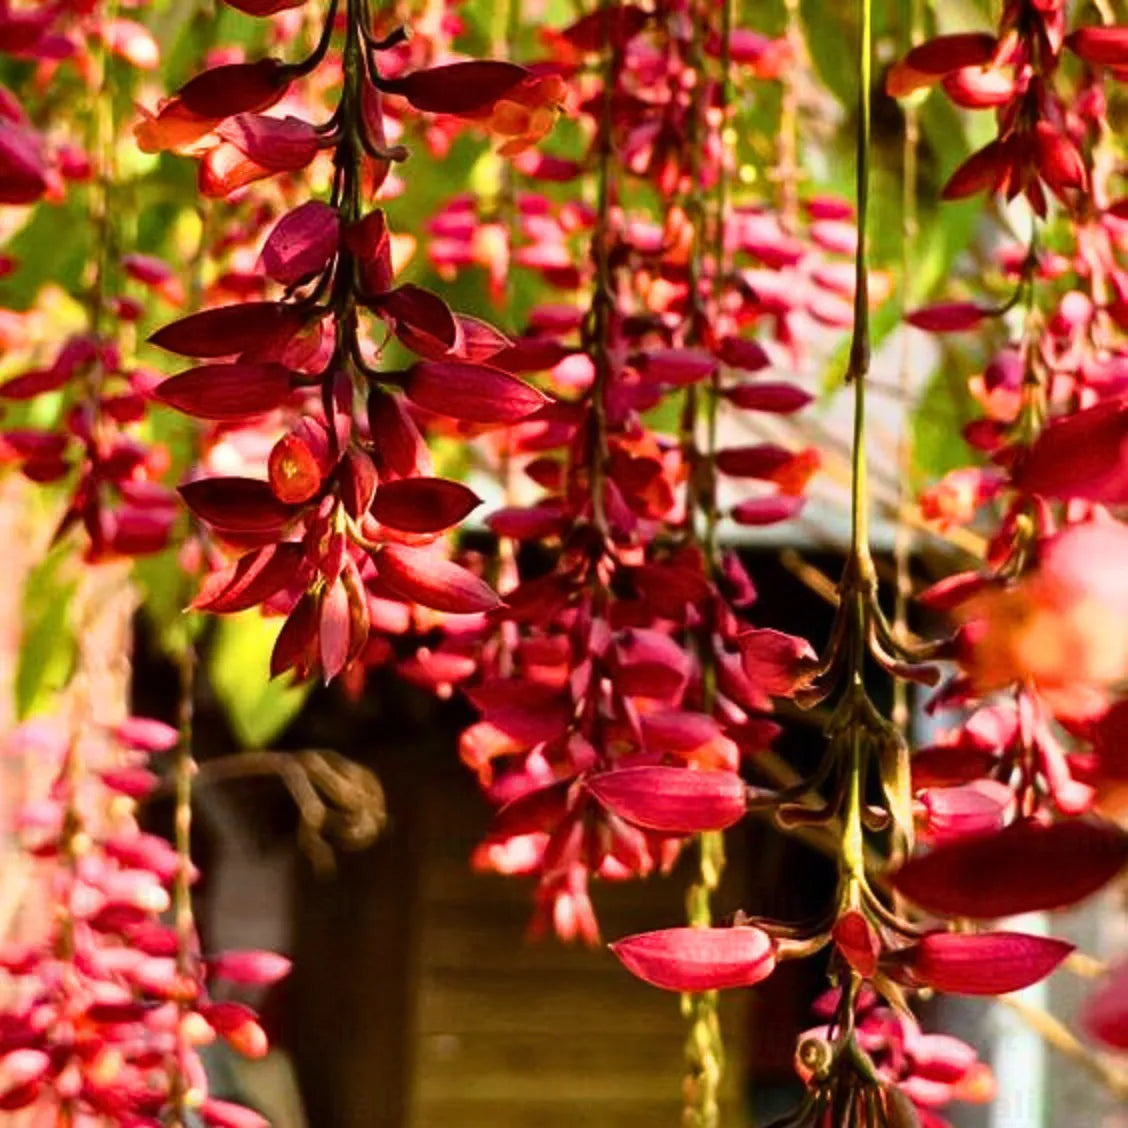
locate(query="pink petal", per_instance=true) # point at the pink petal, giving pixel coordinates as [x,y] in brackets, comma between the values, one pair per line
[674,800]
[698,959]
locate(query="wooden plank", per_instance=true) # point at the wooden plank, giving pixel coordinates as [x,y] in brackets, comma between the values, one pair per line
[486,939]
[527,1067]
[552,1114]
[453,1004]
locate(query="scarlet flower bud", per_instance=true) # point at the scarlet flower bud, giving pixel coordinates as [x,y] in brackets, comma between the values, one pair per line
[399,448]
[263,7]
[296,645]
[238,1026]
[38,382]
[947,317]
[1100,46]
[858,942]
[357,482]
[1024,868]
[929,62]
[420,576]
[423,505]
[987,963]
[227,391]
[252,579]
[950,592]
[457,88]
[420,319]
[986,169]
[145,851]
[134,782]
[767,510]
[237,505]
[476,393]
[135,888]
[23,173]
[768,462]
[370,243]
[156,274]
[231,329]
[334,629]
[236,88]
[978,807]
[252,967]
[699,959]
[1059,163]
[838,236]
[829,207]
[672,800]
[302,243]
[679,367]
[776,664]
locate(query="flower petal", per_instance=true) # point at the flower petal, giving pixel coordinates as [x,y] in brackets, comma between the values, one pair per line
[674,800]
[698,959]
[1024,868]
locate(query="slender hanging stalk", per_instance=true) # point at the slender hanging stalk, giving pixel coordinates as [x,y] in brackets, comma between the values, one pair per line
[855,721]
[902,537]
[184,921]
[859,363]
[598,329]
[705,1050]
[788,169]
[504,27]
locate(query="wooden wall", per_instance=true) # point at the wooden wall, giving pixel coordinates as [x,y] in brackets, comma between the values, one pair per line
[512,1034]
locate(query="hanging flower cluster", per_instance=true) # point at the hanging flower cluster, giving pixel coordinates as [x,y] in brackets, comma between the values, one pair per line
[601,670]
[347,517]
[985,796]
[113,476]
[1042,642]
[103,1015]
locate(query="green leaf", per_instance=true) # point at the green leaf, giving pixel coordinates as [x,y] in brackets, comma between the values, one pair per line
[47,648]
[258,707]
[938,421]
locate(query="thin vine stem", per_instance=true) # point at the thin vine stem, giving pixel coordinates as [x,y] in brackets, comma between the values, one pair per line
[788,169]
[184,921]
[910,229]
[705,1049]
[860,344]
[603,296]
